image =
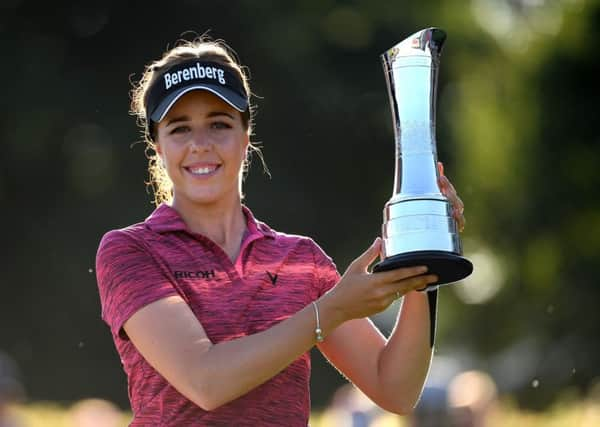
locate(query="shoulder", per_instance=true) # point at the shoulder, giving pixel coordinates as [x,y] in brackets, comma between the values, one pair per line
[294,239]
[309,253]
[122,236]
[277,237]
[305,247]
[286,239]
[303,243]
[118,242]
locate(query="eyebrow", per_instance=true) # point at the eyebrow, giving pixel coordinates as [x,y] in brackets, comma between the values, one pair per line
[220,113]
[209,115]
[177,119]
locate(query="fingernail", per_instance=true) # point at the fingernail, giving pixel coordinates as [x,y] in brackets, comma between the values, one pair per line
[423,269]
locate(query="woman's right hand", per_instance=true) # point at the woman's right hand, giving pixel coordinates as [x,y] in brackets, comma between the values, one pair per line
[360,293]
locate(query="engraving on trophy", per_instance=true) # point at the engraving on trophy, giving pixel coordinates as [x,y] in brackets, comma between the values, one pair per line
[416,137]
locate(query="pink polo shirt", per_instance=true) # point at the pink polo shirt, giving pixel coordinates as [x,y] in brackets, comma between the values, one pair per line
[274,276]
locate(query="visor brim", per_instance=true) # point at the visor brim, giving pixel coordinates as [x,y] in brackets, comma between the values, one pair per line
[232,98]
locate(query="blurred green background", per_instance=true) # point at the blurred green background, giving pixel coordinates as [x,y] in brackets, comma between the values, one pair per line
[516,129]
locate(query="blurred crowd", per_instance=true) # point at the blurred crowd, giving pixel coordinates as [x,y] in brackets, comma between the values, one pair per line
[84,413]
[11,390]
[463,399]
[468,400]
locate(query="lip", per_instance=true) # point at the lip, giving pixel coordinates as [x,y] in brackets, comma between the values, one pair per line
[215,167]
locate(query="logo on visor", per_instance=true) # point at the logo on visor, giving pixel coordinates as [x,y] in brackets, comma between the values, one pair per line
[192,73]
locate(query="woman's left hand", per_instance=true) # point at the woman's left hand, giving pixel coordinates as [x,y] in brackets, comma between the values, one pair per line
[449,191]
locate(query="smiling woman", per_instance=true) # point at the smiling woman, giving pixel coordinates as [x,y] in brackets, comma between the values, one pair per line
[214,313]
[202,64]
[202,143]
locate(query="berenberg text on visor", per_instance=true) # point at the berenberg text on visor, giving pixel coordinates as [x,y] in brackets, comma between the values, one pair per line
[194,72]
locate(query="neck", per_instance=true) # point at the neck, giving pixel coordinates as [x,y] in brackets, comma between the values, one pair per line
[223,222]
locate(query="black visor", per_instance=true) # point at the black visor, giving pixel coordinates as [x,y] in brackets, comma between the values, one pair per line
[190,75]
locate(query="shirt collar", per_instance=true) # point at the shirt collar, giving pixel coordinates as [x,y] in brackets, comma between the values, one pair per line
[164,219]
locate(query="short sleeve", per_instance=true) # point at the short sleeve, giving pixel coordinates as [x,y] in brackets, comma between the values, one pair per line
[326,271]
[129,278]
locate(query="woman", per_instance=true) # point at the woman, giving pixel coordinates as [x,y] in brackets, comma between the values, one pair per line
[212,312]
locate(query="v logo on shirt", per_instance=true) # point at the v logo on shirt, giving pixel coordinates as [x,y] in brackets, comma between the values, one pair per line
[273,277]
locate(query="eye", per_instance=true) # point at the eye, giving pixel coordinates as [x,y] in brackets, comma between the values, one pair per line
[179,130]
[220,125]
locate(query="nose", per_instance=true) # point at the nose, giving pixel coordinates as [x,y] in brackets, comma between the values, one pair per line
[200,141]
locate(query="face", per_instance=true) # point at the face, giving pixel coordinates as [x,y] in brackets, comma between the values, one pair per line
[203,144]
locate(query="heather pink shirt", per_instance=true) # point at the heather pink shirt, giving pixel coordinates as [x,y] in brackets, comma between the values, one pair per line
[274,276]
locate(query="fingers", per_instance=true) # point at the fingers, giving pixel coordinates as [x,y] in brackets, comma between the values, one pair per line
[361,293]
[447,188]
[416,283]
[361,264]
[399,274]
[458,207]
[449,191]
[461,221]
[397,289]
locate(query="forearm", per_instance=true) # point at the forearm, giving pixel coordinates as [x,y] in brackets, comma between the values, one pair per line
[404,361]
[230,369]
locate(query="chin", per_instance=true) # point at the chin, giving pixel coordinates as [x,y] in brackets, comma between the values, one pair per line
[206,195]
[205,198]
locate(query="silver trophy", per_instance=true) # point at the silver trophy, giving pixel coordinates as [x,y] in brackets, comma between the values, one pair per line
[418,226]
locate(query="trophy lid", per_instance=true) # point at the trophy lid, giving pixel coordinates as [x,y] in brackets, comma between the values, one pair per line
[425,43]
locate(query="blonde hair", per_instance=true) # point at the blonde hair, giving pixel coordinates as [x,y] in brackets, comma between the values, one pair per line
[202,48]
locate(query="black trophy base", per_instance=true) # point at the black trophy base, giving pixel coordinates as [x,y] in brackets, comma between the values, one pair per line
[449,267]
